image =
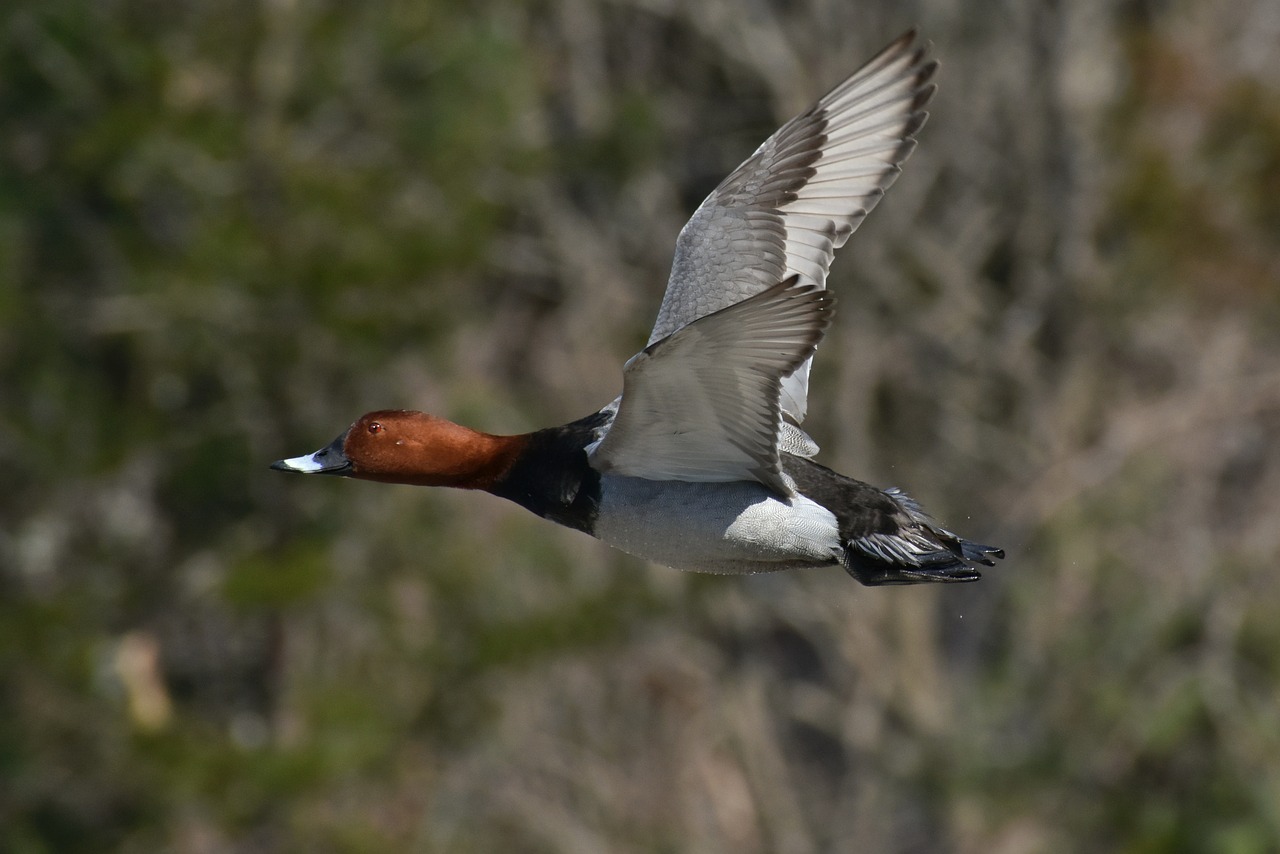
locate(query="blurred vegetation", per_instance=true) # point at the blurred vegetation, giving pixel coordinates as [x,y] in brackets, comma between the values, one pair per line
[228,228]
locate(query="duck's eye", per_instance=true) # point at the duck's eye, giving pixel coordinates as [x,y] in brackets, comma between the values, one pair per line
[375,427]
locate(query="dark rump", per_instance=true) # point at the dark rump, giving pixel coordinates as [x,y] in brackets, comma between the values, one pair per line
[888,539]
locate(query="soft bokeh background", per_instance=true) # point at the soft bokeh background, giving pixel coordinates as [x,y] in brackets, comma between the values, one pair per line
[227,227]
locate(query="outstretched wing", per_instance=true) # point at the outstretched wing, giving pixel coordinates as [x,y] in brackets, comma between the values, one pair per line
[703,403]
[795,201]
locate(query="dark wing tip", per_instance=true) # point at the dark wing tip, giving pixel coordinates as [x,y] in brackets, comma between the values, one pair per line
[904,150]
[915,121]
[904,40]
[926,71]
[923,96]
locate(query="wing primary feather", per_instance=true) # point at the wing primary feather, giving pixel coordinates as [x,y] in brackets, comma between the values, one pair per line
[799,197]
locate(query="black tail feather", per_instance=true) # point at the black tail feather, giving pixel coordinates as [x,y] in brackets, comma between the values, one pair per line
[887,538]
[918,552]
[979,553]
[876,573]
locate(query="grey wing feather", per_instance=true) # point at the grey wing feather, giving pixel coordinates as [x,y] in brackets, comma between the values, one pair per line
[798,198]
[703,403]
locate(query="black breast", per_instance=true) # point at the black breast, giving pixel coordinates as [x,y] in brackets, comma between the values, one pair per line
[552,477]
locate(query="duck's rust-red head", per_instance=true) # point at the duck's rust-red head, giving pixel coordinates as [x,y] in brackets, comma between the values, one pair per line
[402,446]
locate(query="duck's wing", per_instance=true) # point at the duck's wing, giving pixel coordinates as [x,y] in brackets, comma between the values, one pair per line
[703,403]
[795,201]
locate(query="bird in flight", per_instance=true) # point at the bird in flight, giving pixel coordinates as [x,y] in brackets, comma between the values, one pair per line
[701,463]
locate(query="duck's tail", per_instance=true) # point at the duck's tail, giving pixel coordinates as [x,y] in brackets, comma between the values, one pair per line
[887,538]
[918,551]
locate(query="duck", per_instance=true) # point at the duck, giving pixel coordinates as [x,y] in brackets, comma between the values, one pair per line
[702,463]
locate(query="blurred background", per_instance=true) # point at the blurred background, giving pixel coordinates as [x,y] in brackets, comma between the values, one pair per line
[228,227]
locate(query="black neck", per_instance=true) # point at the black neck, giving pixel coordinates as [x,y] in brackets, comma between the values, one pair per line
[552,477]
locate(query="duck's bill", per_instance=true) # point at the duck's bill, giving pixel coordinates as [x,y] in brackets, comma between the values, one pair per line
[327,460]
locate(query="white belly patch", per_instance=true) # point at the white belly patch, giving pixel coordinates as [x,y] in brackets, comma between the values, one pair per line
[715,527]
